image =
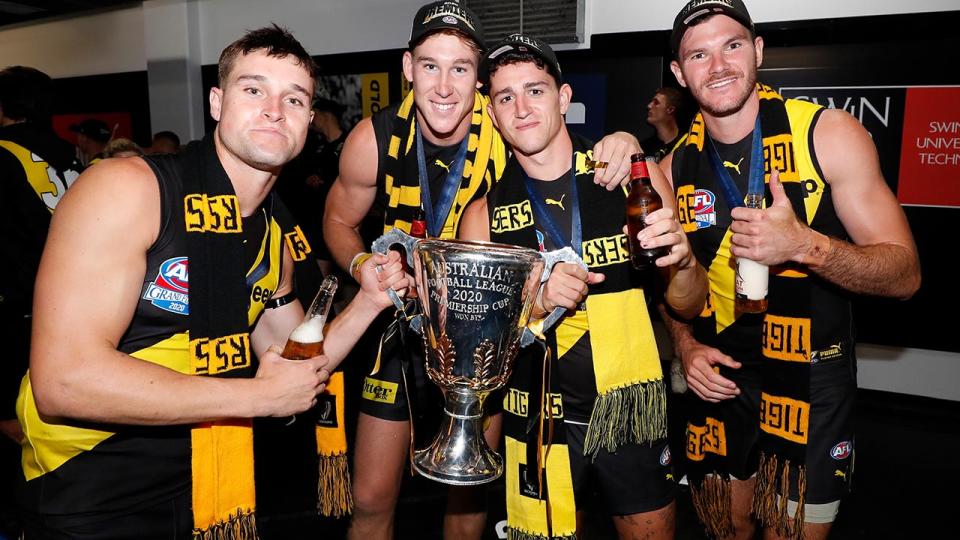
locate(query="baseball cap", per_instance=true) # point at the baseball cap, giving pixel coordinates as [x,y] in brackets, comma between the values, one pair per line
[735,9]
[93,128]
[446,15]
[523,44]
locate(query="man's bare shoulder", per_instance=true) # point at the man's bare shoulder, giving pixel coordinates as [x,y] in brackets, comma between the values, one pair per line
[844,148]
[359,159]
[121,193]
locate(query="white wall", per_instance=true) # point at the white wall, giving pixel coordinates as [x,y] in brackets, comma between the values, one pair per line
[110,42]
[113,42]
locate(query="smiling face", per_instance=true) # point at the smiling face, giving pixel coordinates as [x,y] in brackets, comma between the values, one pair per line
[718,62]
[443,70]
[263,109]
[527,107]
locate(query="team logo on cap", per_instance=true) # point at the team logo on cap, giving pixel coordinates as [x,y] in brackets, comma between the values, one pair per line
[665,456]
[449,14]
[842,450]
[169,290]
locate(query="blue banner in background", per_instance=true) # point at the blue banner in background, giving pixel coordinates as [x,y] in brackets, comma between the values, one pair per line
[588,110]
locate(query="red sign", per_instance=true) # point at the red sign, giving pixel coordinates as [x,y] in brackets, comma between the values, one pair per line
[930,151]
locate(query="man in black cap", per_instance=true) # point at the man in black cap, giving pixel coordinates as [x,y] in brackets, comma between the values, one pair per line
[444,121]
[607,431]
[771,424]
[92,138]
[36,168]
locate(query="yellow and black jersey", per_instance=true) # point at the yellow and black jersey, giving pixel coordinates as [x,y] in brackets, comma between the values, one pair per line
[72,468]
[705,216]
[398,182]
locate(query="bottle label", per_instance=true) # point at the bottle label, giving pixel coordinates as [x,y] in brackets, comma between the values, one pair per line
[638,169]
[752,279]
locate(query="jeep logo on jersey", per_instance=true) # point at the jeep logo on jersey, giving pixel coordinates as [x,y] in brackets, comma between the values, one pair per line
[842,450]
[169,290]
[665,456]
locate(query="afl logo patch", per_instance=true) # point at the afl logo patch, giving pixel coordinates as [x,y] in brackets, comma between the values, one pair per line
[842,450]
[665,456]
[449,19]
[704,210]
[169,290]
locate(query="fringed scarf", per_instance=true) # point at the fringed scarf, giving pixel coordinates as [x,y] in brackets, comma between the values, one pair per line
[631,399]
[486,157]
[222,451]
[781,345]
[333,486]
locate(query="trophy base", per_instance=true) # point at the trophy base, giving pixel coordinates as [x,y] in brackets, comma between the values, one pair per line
[459,455]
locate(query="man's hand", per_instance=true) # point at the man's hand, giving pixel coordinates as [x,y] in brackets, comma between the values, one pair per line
[11,428]
[663,230]
[773,235]
[614,150]
[698,363]
[566,287]
[288,387]
[382,272]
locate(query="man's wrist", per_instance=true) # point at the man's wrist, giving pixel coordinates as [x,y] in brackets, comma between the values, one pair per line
[817,249]
[357,262]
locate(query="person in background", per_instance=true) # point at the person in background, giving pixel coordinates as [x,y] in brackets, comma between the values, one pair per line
[164,142]
[662,111]
[122,147]
[36,168]
[92,138]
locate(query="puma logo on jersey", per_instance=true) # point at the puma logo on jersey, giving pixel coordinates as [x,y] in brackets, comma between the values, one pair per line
[440,163]
[730,165]
[558,203]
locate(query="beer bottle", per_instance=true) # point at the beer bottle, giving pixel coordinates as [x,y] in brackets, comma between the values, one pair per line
[642,201]
[752,277]
[306,340]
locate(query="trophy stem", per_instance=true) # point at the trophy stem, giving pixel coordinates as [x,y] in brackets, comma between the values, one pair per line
[459,454]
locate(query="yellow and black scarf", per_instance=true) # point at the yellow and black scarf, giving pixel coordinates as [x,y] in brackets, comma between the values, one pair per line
[222,451]
[630,406]
[486,157]
[781,344]
[326,432]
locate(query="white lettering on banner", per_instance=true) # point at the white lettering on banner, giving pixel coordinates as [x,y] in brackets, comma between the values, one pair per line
[855,107]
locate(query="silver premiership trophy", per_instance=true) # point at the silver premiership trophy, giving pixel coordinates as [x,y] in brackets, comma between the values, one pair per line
[475,300]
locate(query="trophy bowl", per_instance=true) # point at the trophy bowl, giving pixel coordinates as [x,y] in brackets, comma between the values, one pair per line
[475,300]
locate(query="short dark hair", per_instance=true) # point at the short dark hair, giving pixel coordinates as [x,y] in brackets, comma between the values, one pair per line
[168,135]
[515,57]
[672,97]
[275,40]
[26,94]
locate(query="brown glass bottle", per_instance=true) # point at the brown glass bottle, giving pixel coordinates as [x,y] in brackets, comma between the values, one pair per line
[642,201]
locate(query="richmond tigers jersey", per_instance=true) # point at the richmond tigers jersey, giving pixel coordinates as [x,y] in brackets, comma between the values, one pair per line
[78,467]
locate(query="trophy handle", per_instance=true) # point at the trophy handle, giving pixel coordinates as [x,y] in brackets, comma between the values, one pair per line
[382,245]
[551,258]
